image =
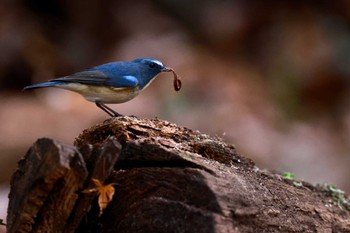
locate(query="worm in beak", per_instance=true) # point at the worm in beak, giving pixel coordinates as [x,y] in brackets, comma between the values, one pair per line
[177,82]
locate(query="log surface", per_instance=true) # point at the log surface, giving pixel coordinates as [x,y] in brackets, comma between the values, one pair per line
[167,179]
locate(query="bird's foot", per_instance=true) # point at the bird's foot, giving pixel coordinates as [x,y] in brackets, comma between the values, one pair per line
[107,109]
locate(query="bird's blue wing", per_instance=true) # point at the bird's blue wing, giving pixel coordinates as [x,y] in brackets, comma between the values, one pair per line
[105,75]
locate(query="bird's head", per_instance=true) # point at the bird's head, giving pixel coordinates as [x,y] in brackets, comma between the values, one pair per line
[150,68]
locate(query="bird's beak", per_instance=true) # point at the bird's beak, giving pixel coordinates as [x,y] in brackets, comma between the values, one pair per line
[167,69]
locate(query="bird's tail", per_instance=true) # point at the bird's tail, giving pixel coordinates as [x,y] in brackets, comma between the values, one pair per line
[40,85]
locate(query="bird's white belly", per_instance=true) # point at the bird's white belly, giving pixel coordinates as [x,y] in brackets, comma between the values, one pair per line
[103,94]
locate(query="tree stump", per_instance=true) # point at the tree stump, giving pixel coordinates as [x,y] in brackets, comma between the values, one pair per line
[167,179]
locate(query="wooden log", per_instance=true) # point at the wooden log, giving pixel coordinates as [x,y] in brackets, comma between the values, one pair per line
[100,163]
[172,179]
[43,187]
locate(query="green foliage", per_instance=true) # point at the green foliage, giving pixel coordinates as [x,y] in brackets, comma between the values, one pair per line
[337,195]
[291,176]
[288,175]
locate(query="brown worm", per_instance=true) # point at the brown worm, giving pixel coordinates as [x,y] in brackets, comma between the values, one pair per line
[177,82]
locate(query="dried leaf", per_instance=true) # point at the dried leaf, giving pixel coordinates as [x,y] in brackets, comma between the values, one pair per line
[105,193]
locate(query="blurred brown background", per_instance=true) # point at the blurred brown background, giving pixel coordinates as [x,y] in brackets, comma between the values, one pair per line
[271,77]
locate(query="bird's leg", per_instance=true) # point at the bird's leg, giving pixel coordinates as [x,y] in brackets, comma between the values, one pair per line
[107,109]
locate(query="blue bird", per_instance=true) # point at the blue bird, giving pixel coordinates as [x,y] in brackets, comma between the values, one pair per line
[112,83]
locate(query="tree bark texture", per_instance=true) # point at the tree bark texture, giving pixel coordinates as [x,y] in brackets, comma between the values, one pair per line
[167,179]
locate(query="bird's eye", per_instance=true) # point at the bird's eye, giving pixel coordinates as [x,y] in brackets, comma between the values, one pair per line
[152,65]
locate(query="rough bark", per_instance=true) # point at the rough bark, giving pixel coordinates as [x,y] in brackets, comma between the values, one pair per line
[168,179]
